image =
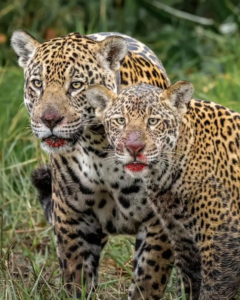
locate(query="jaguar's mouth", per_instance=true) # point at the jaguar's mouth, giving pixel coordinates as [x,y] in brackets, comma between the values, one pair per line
[56,142]
[136,166]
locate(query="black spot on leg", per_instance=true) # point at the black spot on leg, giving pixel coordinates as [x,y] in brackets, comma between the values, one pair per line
[167,254]
[63,230]
[102,203]
[59,239]
[73,248]
[151,262]
[131,189]
[60,263]
[155,286]
[163,279]
[90,202]
[65,264]
[124,202]
[140,271]
[115,185]
[110,227]
[79,267]
[156,269]
[163,238]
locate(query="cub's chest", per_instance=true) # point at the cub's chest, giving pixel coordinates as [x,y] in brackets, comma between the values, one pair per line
[174,213]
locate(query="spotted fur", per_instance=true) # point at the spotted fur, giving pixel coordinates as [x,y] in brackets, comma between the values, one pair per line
[189,150]
[93,196]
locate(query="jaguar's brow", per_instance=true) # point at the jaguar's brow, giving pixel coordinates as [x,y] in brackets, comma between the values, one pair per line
[37,71]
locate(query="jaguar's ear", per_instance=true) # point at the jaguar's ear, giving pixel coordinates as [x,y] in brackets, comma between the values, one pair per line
[100,98]
[24,45]
[178,94]
[112,52]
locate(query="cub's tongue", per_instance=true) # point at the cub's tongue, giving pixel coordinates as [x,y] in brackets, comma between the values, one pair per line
[55,142]
[135,167]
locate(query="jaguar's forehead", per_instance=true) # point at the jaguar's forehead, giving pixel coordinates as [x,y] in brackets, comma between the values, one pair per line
[59,54]
[66,45]
[138,100]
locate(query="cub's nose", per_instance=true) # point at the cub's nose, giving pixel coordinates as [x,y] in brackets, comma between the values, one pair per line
[134,147]
[51,119]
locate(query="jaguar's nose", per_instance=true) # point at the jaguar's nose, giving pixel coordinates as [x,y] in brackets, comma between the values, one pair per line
[135,148]
[51,119]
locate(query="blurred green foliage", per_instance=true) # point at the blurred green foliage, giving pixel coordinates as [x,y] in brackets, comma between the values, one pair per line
[182,32]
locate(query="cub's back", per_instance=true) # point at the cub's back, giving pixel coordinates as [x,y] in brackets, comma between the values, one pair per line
[215,122]
[216,131]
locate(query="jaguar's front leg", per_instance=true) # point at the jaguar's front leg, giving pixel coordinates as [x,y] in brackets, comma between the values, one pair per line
[152,262]
[79,240]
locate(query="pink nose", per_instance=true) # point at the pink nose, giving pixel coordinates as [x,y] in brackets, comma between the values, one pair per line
[51,119]
[134,147]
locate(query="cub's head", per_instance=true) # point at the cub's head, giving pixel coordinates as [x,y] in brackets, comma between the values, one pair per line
[57,73]
[142,122]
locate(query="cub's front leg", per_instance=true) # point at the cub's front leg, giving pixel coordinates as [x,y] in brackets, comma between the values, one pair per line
[172,216]
[220,252]
[218,239]
[152,262]
[188,263]
[79,239]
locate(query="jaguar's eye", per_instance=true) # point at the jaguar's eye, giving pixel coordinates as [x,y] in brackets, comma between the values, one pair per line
[76,85]
[153,121]
[120,121]
[37,83]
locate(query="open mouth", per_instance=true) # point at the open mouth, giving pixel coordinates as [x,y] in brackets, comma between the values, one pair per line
[136,166]
[56,142]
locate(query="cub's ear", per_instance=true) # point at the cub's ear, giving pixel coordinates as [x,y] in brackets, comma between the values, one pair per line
[178,94]
[112,52]
[24,45]
[99,97]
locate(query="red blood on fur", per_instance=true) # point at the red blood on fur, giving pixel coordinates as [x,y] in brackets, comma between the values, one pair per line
[142,156]
[56,142]
[137,167]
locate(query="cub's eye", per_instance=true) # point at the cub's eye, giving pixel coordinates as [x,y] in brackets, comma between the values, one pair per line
[37,83]
[120,121]
[76,85]
[153,121]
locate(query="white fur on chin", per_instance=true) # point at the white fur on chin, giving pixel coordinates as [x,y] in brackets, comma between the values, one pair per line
[55,150]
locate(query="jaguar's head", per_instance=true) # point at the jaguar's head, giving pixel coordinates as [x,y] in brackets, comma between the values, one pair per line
[57,74]
[142,122]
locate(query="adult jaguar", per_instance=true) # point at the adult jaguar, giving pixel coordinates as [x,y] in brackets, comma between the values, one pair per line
[92,194]
[188,153]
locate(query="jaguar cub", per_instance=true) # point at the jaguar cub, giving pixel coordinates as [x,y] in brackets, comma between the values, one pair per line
[187,151]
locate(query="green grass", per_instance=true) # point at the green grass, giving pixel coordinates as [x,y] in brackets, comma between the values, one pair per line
[28,265]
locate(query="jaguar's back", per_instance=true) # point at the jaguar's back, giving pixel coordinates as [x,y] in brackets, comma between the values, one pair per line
[140,64]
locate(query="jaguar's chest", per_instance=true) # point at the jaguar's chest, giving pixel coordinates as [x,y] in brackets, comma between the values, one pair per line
[91,180]
[173,210]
